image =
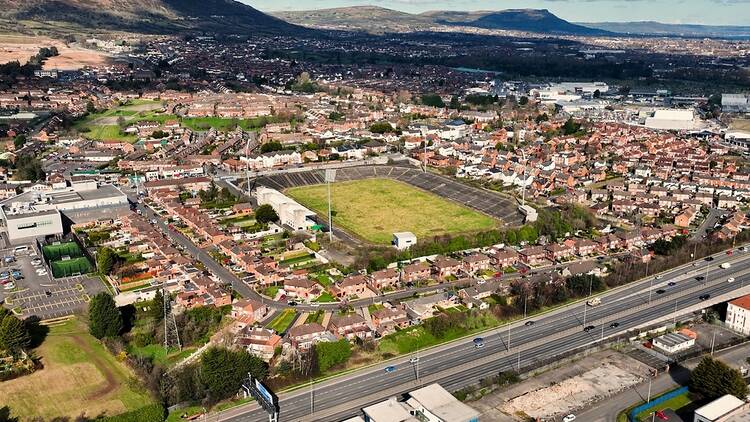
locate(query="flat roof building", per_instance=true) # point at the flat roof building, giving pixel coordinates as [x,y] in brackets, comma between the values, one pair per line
[35,214]
[720,410]
[427,404]
[673,342]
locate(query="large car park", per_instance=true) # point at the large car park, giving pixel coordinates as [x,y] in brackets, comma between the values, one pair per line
[29,288]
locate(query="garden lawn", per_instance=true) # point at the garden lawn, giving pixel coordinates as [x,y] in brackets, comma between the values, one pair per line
[675,403]
[374,209]
[325,297]
[79,376]
[283,321]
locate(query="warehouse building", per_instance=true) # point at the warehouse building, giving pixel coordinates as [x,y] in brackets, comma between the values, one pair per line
[289,211]
[428,404]
[35,214]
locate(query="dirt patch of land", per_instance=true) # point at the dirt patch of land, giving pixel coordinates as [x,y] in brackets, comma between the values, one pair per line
[563,390]
[14,47]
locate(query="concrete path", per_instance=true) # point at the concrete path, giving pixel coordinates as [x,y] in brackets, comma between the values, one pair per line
[326,319]
[368,318]
[300,320]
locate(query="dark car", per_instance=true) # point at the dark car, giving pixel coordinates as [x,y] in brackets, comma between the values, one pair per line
[529,323]
[292,303]
[660,291]
[614,325]
[700,278]
[589,328]
[389,369]
[704,296]
[671,283]
[709,258]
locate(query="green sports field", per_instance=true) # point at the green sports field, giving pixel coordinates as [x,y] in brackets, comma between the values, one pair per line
[376,208]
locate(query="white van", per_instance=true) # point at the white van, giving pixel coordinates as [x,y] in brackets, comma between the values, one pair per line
[20,249]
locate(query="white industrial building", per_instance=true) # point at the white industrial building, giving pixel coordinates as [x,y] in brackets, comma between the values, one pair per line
[673,342]
[735,103]
[726,408]
[428,404]
[35,214]
[290,212]
[669,119]
[738,315]
[404,240]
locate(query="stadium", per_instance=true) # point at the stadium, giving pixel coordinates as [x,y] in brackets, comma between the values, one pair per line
[373,201]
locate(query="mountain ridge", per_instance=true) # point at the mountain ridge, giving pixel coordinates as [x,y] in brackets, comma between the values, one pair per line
[162,16]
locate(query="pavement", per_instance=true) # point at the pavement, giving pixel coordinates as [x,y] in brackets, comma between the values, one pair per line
[458,364]
[713,217]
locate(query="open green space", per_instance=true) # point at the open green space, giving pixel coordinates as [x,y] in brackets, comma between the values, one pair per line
[79,376]
[325,297]
[376,208]
[283,321]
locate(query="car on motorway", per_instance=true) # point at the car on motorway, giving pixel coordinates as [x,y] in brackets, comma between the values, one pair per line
[569,418]
[709,258]
[414,360]
[660,291]
[614,325]
[390,368]
[730,252]
[730,280]
[700,278]
[725,265]
[705,296]
[659,277]
[529,323]
[671,283]
[478,342]
[588,328]
[594,302]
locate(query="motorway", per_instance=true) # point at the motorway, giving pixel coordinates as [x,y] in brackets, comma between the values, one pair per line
[459,363]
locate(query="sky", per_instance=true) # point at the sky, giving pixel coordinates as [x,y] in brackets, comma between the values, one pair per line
[707,12]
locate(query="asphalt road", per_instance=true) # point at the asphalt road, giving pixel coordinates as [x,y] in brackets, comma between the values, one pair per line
[459,363]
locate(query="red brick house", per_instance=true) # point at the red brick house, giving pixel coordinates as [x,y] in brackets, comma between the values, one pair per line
[446,267]
[350,327]
[476,262]
[416,271]
[383,279]
[303,288]
[248,311]
[533,255]
[387,319]
[354,285]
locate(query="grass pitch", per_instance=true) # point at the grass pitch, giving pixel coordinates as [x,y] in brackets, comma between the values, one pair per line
[79,376]
[376,208]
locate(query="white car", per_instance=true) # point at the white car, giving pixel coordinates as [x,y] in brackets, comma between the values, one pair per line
[569,418]
[730,280]
[414,360]
[9,286]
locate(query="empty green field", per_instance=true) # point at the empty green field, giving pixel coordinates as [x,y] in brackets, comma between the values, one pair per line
[374,209]
[79,377]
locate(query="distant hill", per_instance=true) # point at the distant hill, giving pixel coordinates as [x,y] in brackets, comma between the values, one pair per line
[159,16]
[378,20]
[529,20]
[666,29]
[371,19]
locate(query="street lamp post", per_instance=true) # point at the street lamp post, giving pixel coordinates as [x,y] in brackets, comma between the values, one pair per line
[585,304]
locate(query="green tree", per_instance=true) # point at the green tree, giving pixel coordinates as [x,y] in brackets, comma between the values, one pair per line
[523,101]
[223,370]
[14,336]
[105,319]
[157,306]
[330,354]
[433,100]
[19,141]
[455,104]
[5,415]
[106,258]
[713,378]
[265,214]
[271,147]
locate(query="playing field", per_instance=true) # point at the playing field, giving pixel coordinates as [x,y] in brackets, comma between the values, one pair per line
[376,208]
[79,377]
